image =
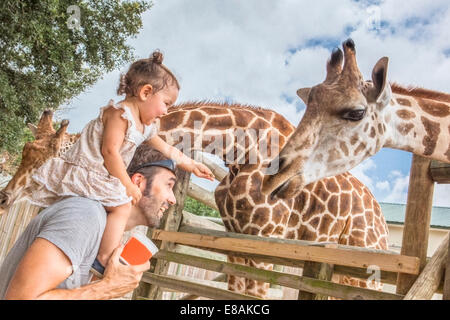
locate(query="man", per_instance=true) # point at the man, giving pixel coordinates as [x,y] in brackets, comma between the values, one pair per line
[53,256]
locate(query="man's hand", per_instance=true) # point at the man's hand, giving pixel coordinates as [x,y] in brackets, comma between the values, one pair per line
[122,278]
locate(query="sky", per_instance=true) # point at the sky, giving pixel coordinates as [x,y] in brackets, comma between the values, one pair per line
[260,52]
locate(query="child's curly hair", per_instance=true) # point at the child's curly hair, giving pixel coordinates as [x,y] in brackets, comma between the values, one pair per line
[147,71]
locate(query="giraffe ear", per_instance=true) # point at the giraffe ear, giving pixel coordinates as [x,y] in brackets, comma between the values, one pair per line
[381,89]
[32,128]
[303,93]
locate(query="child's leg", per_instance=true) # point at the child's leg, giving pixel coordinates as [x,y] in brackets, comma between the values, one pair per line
[116,221]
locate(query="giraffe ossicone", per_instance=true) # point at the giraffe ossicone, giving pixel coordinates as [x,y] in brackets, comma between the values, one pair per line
[347,120]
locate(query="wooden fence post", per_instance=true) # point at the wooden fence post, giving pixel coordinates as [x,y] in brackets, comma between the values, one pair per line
[446,291]
[171,222]
[417,218]
[321,271]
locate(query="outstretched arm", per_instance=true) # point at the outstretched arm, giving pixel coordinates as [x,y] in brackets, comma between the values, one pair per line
[45,266]
[183,161]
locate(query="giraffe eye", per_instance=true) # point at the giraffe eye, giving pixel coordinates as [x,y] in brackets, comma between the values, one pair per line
[354,115]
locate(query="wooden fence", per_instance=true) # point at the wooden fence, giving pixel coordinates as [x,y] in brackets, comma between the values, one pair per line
[195,247]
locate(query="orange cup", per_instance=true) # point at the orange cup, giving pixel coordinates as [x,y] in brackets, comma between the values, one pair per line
[138,250]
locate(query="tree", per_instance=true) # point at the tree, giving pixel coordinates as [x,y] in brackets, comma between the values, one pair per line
[52,50]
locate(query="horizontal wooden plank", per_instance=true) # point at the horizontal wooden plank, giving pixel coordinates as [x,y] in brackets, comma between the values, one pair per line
[292,281]
[193,288]
[440,172]
[269,247]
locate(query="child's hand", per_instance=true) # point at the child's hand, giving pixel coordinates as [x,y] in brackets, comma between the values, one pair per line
[134,191]
[202,171]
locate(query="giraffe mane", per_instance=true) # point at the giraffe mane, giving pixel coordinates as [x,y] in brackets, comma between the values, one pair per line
[420,92]
[195,104]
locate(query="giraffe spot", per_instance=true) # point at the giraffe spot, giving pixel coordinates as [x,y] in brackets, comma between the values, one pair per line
[404,102]
[357,239]
[405,128]
[357,205]
[216,110]
[229,206]
[294,218]
[171,120]
[301,200]
[373,133]
[331,185]
[260,124]
[291,235]
[366,127]
[325,224]
[430,140]
[405,114]
[370,237]
[333,155]
[337,227]
[306,234]
[278,231]
[320,191]
[283,126]
[238,186]
[242,117]
[344,204]
[219,123]
[268,229]
[354,139]
[358,223]
[360,148]
[261,216]
[194,117]
[279,213]
[251,231]
[314,222]
[314,207]
[243,204]
[367,199]
[344,148]
[235,226]
[228,225]
[434,108]
[332,205]
[343,183]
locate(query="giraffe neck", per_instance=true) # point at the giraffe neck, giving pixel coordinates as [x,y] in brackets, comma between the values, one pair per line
[418,125]
[237,134]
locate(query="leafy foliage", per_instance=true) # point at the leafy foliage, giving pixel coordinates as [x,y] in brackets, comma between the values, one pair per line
[44,61]
[200,209]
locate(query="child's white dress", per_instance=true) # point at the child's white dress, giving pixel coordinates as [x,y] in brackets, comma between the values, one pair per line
[81,171]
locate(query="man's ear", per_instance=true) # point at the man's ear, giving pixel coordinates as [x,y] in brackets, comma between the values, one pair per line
[139,180]
[146,91]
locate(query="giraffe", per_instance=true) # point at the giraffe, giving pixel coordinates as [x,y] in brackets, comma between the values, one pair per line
[48,143]
[338,209]
[348,120]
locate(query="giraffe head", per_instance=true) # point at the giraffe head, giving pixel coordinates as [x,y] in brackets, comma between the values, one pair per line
[337,131]
[46,145]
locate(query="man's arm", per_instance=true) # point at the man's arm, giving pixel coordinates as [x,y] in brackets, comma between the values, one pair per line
[45,266]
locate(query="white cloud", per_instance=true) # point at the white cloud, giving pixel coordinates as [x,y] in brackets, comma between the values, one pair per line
[399,192]
[383,185]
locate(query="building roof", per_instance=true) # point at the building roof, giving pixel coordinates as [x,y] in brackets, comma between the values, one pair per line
[395,213]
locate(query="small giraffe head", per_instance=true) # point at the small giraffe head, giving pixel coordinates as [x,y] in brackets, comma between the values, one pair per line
[46,145]
[339,128]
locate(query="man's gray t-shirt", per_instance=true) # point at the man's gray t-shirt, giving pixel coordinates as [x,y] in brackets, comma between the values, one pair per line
[75,225]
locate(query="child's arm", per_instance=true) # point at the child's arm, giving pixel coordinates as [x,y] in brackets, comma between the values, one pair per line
[183,161]
[114,131]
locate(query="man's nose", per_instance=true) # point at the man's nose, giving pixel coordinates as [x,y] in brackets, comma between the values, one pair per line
[171,199]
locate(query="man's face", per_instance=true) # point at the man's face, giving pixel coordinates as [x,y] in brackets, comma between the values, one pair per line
[156,201]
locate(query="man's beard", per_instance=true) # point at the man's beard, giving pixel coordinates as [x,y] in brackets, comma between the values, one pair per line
[150,207]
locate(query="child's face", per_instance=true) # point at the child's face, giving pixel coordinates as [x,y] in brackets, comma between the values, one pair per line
[156,105]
